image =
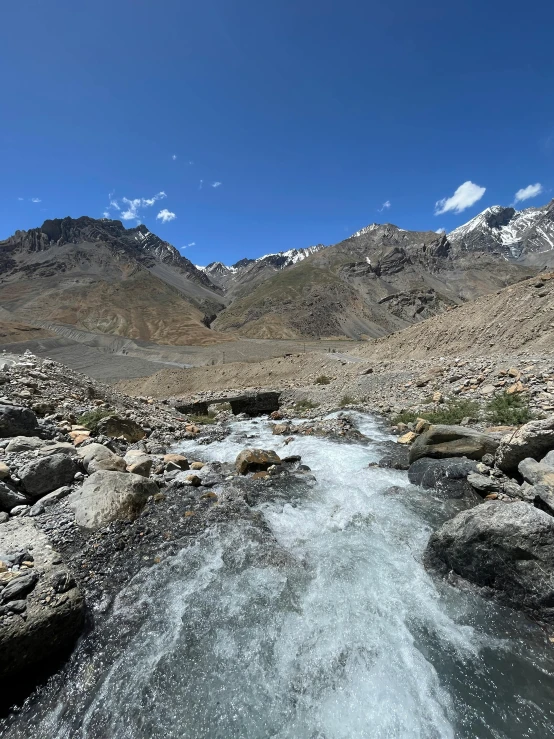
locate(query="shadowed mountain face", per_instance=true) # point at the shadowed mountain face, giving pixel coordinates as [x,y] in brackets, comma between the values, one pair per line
[100,276]
[380,280]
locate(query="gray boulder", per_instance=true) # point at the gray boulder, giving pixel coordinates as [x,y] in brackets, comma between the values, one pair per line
[51,620]
[533,440]
[548,459]
[107,496]
[95,457]
[24,444]
[505,548]
[484,484]
[16,420]
[536,473]
[46,474]
[10,498]
[115,427]
[447,476]
[440,442]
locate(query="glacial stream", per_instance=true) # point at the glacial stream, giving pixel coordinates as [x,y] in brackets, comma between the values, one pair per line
[340,634]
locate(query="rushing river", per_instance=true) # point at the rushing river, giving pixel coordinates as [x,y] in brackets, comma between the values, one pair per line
[345,637]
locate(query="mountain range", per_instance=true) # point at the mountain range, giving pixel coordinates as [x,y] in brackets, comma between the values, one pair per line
[97,275]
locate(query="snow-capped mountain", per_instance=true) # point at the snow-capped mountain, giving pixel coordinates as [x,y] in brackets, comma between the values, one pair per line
[224,276]
[525,235]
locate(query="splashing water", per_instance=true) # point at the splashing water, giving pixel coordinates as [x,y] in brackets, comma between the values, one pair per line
[346,637]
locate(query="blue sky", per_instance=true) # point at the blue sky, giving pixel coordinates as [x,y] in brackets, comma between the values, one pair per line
[311,115]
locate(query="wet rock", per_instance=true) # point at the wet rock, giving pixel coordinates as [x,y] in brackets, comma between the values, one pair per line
[281,429]
[484,484]
[255,460]
[108,496]
[95,457]
[49,473]
[533,440]
[17,421]
[396,459]
[506,548]
[442,441]
[447,476]
[115,427]
[52,622]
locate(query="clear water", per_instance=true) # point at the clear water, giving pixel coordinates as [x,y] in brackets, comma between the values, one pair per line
[348,638]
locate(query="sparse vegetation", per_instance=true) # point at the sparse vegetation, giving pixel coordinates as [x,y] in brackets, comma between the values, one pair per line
[347,400]
[305,405]
[202,419]
[509,410]
[451,413]
[322,380]
[91,419]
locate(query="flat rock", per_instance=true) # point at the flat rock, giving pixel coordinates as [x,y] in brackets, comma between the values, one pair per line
[440,442]
[108,496]
[506,548]
[116,427]
[25,444]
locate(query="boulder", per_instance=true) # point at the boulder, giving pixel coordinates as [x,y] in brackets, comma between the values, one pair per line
[441,442]
[95,457]
[534,440]
[255,460]
[139,464]
[484,484]
[397,458]
[16,420]
[10,498]
[447,476]
[116,427]
[43,475]
[536,473]
[281,429]
[407,438]
[548,459]
[25,444]
[50,604]
[506,548]
[4,471]
[108,496]
[178,460]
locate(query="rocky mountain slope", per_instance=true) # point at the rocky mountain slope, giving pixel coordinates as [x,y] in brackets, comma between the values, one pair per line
[98,275]
[526,236]
[380,280]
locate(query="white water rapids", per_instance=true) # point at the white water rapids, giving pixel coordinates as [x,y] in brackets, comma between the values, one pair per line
[345,637]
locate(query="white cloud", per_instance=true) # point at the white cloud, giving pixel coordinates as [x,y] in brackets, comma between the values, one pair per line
[464,197]
[165,216]
[21,198]
[174,157]
[440,231]
[114,204]
[531,191]
[385,205]
[36,200]
[106,214]
[201,185]
[217,184]
[134,206]
[192,243]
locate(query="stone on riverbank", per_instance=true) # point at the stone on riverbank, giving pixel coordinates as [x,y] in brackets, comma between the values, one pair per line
[506,548]
[440,442]
[47,474]
[255,460]
[17,421]
[107,496]
[533,440]
[95,457]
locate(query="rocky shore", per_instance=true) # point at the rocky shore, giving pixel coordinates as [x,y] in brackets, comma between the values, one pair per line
[92,491]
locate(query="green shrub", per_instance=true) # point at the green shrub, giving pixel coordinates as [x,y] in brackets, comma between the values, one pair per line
[322,380]
[202,419]
[347,400]
[509,410]
[305,405]
[91,419]
[451,414]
